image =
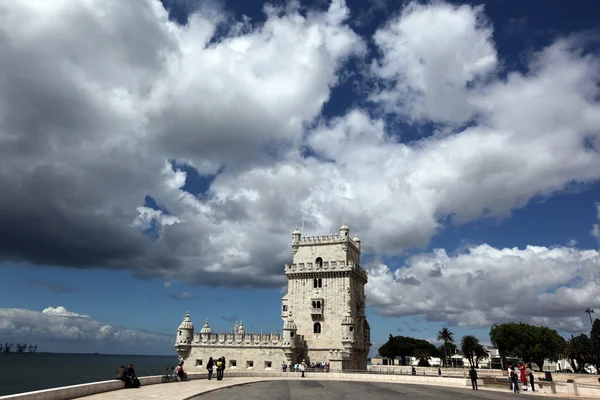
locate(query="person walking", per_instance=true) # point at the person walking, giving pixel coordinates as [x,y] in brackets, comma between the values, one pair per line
[220,369]
[509,373]
[439,372]
[515,381]
[530,375]
[209,366]
[303,367]
[473,376]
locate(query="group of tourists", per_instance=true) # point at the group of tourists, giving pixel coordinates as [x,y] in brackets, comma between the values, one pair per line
[127,375]
[219,364]
[524,374]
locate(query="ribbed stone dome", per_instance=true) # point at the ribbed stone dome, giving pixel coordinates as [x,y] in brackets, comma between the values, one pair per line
[187,322]
[206,328]
[289,325]
[348,320]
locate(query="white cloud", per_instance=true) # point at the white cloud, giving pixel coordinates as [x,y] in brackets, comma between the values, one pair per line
[430,53]
[58,324]
[60,311]
[549,286]
[86,127]
[596,227]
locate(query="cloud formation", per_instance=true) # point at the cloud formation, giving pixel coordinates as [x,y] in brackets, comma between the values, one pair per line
[89,128]
[596,227]
[57,324]
[484,285]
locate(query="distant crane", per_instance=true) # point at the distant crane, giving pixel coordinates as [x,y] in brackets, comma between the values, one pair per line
[8,347]
[32,348]
[21,348]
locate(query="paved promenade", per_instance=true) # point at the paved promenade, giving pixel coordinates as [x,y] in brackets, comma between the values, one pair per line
[170,391]
[336,390]
[297,389]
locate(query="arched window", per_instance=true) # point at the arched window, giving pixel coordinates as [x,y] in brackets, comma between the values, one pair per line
[319,262]
[317,327]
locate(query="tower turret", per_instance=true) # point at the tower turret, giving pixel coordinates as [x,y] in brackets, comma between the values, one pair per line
[356,240]
[344,231]
[289,331]
[205,331]
[185,333]
[240,329]
[296,236]
[289,338]
[348,330]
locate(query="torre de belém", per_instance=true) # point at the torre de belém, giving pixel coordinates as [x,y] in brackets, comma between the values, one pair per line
[323,314]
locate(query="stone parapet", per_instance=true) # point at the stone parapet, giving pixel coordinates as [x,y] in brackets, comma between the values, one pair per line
[326,266]
[242,340]
[332,238]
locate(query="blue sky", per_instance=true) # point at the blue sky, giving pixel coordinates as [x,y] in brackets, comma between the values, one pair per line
[161,167]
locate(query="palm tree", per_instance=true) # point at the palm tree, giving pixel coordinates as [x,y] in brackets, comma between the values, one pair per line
[468,346]
[480,353]
[578,351]
[446,336]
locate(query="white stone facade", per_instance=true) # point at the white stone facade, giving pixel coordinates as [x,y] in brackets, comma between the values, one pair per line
[323,313]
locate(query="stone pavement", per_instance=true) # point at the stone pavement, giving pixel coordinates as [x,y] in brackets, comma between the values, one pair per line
[173,390]
[291,388]
[337,390]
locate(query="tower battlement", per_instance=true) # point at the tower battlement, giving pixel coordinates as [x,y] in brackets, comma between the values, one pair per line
[326,266]
[246,339]
[332,238]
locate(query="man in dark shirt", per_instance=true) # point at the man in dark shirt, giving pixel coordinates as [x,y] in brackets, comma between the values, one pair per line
[473,376]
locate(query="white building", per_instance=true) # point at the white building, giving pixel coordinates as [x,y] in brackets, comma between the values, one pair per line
[323,313]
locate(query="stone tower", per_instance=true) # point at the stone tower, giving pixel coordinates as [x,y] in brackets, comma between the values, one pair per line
[326,299]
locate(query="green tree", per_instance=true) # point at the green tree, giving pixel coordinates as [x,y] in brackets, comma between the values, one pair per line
[469,345]
[578,349]
[480,353]
[423,357]
[595,344]
[388,350]
[405,347]
[527,342]
[446,336]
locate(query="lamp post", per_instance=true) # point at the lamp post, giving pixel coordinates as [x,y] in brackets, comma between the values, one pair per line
[589,312]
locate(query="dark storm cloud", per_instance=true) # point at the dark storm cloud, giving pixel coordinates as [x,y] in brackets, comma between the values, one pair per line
[46,218]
